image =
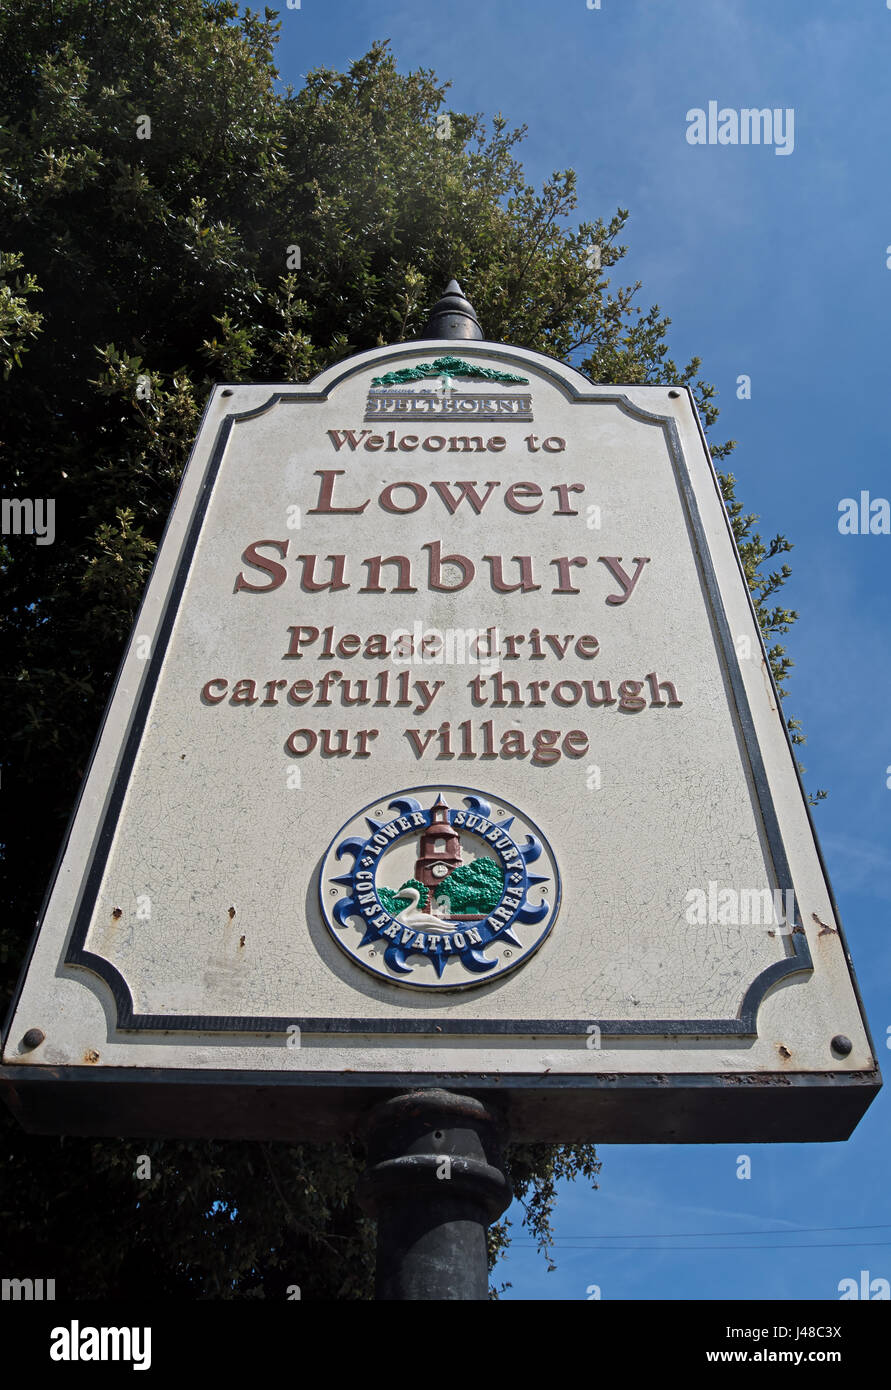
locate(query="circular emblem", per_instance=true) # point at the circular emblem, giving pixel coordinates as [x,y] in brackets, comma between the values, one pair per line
[439,888]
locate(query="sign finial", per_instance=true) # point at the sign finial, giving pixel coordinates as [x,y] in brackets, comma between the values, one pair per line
[453,316]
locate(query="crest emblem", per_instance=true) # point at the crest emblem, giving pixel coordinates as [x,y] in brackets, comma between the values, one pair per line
[447,888]
[393,396]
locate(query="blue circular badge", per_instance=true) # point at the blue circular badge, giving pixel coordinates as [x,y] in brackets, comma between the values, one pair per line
[439,887]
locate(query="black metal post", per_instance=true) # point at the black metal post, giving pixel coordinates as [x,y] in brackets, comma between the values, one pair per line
[435,1181]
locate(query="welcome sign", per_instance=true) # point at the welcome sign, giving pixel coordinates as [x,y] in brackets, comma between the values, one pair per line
[445,752]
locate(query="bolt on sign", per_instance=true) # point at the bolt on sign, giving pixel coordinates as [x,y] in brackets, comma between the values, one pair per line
[445,752]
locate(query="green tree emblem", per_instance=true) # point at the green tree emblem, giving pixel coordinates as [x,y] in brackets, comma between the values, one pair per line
[391,900]
[474,887]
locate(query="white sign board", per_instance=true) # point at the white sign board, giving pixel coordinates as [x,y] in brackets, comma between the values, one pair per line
[445,751]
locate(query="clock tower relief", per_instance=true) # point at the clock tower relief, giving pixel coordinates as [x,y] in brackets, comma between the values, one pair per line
[439,850]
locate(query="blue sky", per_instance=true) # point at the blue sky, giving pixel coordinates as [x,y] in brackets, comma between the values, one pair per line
[775,267]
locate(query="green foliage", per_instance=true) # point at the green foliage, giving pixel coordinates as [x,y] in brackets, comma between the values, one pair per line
[18,321]
[535,1171]
[161,265]
[394,903]
[214,1220]
[474,887]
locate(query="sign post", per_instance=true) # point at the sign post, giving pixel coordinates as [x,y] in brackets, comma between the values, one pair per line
[445,758]
[435,1182]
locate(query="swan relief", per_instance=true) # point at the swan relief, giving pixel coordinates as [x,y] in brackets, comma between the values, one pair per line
[411,916]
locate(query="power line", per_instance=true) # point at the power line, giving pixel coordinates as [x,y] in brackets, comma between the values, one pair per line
[689,1235]
[571,1242]
[679,1249]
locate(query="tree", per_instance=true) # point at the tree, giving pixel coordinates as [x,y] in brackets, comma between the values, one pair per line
[394,902]
[474,887]
[171,219]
